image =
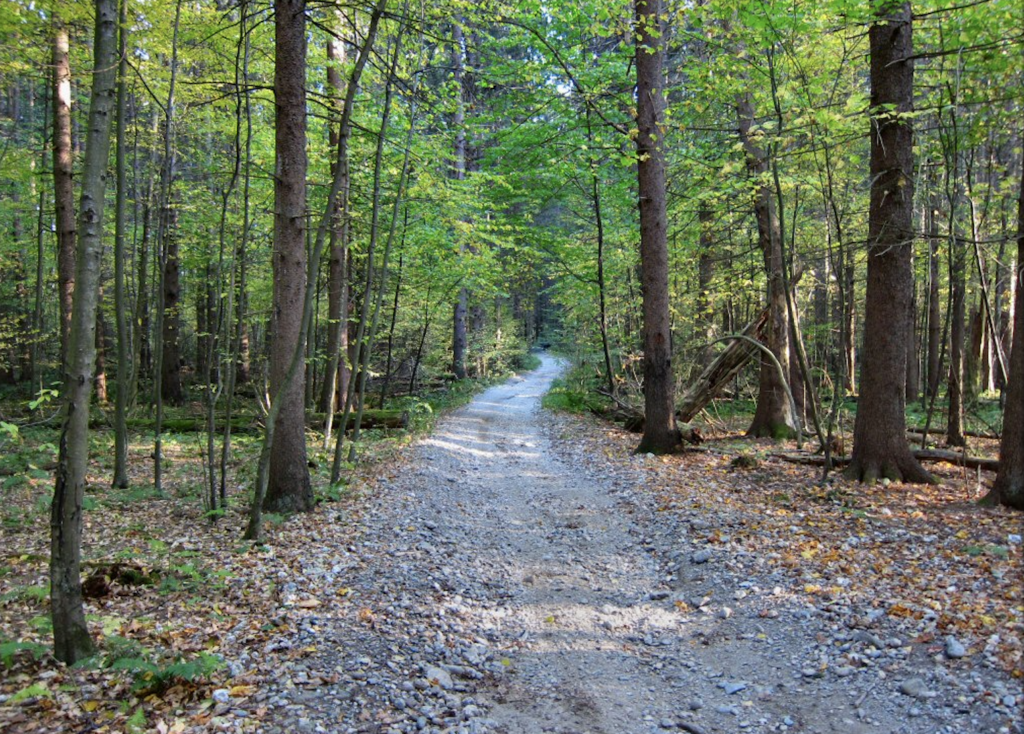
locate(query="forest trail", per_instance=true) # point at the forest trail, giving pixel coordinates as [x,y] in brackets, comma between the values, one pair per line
[508,581]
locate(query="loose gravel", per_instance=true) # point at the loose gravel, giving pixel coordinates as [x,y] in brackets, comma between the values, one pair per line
[513,580]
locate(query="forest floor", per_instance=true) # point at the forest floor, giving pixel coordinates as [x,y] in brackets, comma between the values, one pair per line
[520,571]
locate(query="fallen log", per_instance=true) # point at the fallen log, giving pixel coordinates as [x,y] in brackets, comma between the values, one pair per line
[952,457]
[397,419]
[721,371]
[371,419]
[632,419]
[919,431]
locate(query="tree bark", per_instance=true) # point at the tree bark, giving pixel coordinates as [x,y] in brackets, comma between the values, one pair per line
[70,632]
[705,315]
[880,446]
[336,373]
[958,304]
[170,361]
[772,416]
[63,183]
[934,315]
[913,363]
[660,431]
[120,478]
[1008,488]
[288,488]
[458,174]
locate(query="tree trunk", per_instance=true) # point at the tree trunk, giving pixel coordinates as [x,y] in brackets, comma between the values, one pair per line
[974,359]
[170,361]
[879,441]
[848,330]
[288,488]
[773,416]
[955,383]
[660,431]
[934,315]
[101,351]
[1008,488]
[170,317]
[458,174]
[63,183]
[70,632]
[913,364]
[120,479]
[336,373]
[705,275]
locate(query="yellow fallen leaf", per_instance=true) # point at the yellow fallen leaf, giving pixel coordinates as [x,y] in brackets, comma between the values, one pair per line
[91,706]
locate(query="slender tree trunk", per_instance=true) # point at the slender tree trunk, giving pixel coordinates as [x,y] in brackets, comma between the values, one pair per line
[170,360]
[705,315]
[336,371]
[848,330]
[386,382]
[957,331]
[913,363]
[660,431]
[934,315]
[595,190]
[339,375]
[459,174]
[288,488]
[143,348]
[170,316]
[370,310]
[70,632]
[120,478]
[772,416]
[880,447]
[243,162]
[42,231]
[63,183]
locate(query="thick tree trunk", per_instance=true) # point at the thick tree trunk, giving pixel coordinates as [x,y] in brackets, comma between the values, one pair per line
[289,489]
[70,632]
[879,443]
[63,183]
[1008,488]
[660,431]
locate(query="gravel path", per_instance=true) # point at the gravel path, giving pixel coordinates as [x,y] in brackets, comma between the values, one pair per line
[512,581]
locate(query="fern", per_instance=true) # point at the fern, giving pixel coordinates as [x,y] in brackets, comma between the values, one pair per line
[10,649]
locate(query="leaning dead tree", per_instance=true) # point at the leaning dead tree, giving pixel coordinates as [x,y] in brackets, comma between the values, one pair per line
[722,370]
